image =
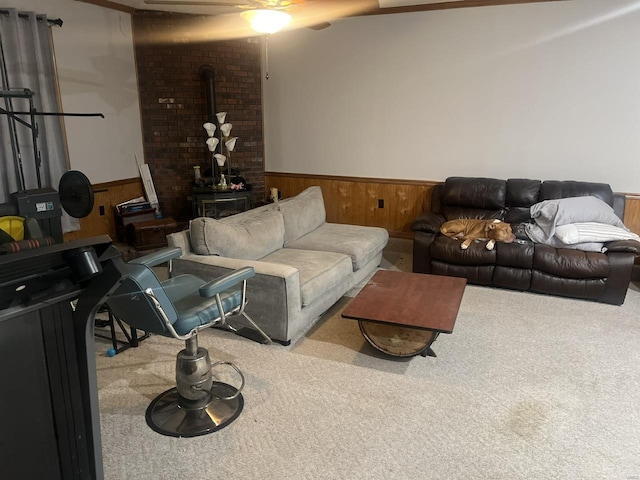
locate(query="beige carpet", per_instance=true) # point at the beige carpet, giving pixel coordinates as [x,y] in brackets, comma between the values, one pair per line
[527,387]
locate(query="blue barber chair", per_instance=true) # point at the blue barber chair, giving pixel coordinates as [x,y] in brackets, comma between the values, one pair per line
[179,307]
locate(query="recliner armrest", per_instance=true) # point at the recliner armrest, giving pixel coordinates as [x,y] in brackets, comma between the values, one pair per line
[428,222]
[225,282]
[159,257]
[630,246]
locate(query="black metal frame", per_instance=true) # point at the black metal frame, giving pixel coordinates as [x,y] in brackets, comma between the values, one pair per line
[32,125]
[132,339]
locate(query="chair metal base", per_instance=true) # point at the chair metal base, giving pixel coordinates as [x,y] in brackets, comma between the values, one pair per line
[171,415]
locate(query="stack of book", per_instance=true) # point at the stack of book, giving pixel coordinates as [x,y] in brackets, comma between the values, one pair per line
[132,211]
[135,205]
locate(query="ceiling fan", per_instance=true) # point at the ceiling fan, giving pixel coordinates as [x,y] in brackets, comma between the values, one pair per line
[264,16]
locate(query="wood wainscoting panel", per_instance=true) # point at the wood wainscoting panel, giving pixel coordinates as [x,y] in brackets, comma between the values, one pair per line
[632,212]
[95,224]
[356,201]
[102,219]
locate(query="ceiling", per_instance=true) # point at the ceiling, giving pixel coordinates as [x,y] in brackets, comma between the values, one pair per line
[367,7]
[305,13]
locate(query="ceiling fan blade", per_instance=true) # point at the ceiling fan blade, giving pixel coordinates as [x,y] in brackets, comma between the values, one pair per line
[195,3]
[275,4]
[316,15]
[319,26]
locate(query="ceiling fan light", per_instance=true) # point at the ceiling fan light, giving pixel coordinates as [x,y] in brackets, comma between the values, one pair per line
[267,21]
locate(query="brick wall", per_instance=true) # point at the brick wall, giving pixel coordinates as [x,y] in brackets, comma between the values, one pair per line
[173,100]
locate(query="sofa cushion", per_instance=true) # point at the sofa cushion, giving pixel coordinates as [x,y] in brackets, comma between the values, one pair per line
[469,192]
[517,254]
[319,271]
[469,197]
[477,274]
[512,277]
[587,288]
[448,250]
[453,213]
[302,214]
[554,189]
[567,263]
[251,239]
[360,243]
[521,194]
[253,213]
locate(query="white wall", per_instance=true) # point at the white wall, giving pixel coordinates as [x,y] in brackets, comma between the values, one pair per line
[546,91]
[97,74]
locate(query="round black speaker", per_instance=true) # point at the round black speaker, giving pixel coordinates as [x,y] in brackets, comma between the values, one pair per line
[76,194]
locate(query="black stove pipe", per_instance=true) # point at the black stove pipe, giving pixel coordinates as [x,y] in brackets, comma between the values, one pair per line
[207,73]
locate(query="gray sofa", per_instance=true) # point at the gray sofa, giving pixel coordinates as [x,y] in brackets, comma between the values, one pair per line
[303,264]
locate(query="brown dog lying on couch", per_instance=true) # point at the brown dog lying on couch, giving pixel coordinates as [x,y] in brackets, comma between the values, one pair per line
[470,230]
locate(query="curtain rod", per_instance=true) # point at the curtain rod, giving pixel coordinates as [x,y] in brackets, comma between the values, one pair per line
[50,21]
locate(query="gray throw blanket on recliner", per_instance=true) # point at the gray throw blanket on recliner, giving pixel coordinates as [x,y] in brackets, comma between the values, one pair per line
[553,217]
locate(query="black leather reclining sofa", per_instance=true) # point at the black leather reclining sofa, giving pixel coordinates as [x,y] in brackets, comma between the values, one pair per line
[522,265]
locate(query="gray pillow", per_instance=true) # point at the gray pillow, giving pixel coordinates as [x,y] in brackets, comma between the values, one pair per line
[551,213]
[251,239]
[302,214]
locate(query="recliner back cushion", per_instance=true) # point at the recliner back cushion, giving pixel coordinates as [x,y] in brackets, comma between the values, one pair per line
[484,193]
[521,194]
[302,214]
[471,197]
[251,239]
[554,189]
[453,213]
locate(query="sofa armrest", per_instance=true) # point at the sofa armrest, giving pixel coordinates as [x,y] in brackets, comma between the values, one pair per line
[273,293]
[630,246]
[225,282]
[620,270]
[428,222]
[261,268]
[181,240]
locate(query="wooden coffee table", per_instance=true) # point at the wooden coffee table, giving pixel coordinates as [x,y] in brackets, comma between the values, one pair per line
[402,313]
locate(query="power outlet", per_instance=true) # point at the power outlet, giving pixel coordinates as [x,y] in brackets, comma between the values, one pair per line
[380,203]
